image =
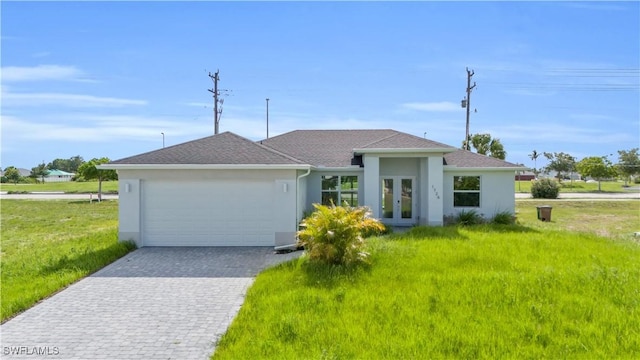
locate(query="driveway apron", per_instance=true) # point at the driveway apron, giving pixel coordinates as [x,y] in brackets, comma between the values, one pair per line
[154,303]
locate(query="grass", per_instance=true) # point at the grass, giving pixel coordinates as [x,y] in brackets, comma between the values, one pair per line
[579,187]
[616,220]
[70,187]
[47,245]
[529,291]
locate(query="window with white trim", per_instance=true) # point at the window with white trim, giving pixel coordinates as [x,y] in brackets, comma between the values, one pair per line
[340,189]
[466,191]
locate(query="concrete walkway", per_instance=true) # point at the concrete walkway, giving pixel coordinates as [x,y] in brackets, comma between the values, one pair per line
[154,303]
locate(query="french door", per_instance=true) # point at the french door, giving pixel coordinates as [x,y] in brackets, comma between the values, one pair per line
[398,205]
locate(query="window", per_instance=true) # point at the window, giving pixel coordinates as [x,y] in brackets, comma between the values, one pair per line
[339,189]
[466,191]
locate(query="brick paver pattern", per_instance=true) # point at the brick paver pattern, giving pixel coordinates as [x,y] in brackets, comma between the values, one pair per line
[154,303]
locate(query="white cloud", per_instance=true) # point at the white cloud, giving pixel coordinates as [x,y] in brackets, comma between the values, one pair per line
[69,100]
[433,106]
[81,128]
[40,73]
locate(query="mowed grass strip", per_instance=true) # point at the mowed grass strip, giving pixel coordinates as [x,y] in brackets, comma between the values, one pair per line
[47,245]
[478,292]
[614,219]
[69,187]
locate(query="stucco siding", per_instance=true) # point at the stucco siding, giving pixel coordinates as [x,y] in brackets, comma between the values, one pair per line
[208,207]
[496,192]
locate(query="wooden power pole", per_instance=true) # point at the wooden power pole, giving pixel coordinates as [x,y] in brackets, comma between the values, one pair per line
[466,102]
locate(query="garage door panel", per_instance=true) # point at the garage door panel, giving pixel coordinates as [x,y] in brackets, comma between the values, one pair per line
[215,213]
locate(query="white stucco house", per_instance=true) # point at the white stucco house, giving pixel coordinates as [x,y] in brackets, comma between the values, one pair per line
[226,190]
[56,175]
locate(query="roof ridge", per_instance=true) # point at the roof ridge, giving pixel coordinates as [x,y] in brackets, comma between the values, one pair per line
[268,148]
[396,133]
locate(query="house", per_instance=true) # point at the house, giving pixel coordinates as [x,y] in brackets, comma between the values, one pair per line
[55,175]
[226,190]
[525,176]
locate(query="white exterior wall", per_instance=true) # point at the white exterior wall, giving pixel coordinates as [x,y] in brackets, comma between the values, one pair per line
[58,178]
[372,183]
[435,190]
[129,209]
[496,192]
[283,207]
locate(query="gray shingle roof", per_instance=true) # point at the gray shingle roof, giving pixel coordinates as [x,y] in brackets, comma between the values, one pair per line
[225,148]
[328,148]
[468,159]
[334,148]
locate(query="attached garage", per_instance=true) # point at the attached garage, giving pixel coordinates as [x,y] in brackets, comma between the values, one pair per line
[222,190]
[207,213]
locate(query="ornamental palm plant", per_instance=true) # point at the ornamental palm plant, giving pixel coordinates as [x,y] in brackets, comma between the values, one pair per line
[335,234]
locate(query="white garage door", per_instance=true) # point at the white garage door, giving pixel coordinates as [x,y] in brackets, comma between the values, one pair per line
[213,213]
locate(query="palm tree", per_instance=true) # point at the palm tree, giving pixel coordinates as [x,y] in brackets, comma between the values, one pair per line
[534,156]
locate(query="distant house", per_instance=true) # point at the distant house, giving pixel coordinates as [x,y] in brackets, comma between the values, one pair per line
[23,172]
[225,190]
[58,176]
[525,176]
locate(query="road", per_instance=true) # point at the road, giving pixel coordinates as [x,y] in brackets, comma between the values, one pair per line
[519,196]
[587,196]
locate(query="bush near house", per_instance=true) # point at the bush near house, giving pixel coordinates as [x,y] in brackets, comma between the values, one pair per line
[335,234]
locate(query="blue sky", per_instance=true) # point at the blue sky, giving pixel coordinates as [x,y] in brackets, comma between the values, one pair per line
[107,78]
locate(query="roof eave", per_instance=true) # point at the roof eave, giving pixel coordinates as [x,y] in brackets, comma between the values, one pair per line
[479,168]
[203,167]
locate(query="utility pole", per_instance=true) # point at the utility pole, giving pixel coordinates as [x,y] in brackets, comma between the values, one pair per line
[267,118]
[466,102]
[216,119]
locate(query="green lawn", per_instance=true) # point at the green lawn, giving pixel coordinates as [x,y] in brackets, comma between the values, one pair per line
[67,187]
[616,220]
[578,186]
[526,291]
[46,245]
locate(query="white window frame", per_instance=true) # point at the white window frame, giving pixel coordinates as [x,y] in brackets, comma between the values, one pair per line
[339,191]
[474,191]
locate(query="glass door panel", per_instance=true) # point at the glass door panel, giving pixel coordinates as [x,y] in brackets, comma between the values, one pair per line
[387,199]
[407,198]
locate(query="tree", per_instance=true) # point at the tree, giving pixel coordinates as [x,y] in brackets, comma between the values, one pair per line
[597,167]
[11,174]
[69,165]
[89,171]
[534,156]
[39,171]
[628,164]
[485,145]
[561,163]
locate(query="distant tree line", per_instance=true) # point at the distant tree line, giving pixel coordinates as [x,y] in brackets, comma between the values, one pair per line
[83,170]
[598,168]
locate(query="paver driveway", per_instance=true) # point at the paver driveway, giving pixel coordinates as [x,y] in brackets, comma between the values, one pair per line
[154,303]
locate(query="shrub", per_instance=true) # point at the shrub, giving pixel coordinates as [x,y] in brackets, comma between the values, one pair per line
[545,189]
[466,218]
[335,234]
[503,218]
